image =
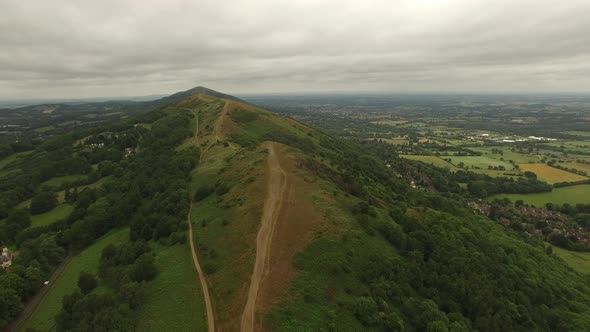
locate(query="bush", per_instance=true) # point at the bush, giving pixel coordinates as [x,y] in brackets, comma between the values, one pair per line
[202,193]
[43,202]
[86,282]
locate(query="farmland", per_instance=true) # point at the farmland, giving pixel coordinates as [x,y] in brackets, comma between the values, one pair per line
[571,194]
[431,160]
[552,175]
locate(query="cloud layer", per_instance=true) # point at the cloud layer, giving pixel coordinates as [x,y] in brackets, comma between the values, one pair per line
[126,47]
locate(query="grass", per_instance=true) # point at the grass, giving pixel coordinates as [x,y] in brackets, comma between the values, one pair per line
[395,140]
[59,212]
[42,318]
[8,160]
[480,161]
[550,174]
[578,166]
[174,301]
[62,180]
[571,194]
[432,160]
[507,154]
[579,261]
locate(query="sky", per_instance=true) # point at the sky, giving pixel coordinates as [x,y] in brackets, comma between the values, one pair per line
[83,49]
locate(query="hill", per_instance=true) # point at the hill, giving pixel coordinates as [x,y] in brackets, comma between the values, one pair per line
[288,228]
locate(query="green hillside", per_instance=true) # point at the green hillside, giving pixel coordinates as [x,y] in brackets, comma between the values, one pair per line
[239,218]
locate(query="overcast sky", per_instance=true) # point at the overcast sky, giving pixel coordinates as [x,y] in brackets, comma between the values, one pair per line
[77,48]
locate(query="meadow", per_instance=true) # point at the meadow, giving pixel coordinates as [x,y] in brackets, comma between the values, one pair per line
[571,194]
[174,301]
[62,180]
[42,319]
[579,261]
[431,160]
[59,212]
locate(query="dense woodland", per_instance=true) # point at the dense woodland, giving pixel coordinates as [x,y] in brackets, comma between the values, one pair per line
[146,190]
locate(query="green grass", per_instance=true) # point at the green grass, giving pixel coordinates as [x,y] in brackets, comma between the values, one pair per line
[59,181]
[579,261]
[42,318]
[506,155]
[174,301]
[59,212]
[432,160]
[572,195]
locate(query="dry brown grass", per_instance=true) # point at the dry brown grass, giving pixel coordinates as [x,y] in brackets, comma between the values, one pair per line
[551,174]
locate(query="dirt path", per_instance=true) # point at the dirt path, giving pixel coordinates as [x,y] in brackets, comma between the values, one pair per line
[220,120]
[204,287]
[34,302]
[277,184]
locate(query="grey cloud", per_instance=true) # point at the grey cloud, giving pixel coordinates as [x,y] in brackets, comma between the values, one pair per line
[63,48]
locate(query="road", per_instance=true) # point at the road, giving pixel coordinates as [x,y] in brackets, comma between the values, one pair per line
[204,287]
[277,185]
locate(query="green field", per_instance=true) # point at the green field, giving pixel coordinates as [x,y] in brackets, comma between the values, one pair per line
[42,318]
[579,261]
[432,160]
[572,195]
[59,181]
[47,218]
[507,155]
[174,301]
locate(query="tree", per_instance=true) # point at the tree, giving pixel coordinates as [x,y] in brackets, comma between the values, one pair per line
[86,282]
[43,202]
[10,305]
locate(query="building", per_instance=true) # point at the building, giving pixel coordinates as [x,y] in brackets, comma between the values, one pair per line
[6,258]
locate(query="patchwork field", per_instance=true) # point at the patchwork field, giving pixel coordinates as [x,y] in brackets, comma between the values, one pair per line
[42,318]
[571,194]
[431,160]
[550,174]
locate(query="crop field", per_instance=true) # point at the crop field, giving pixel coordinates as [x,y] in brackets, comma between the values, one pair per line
[550,174]
[42,318]
[173,301]
[432,160]
[579,261]
[571,194]
[59,212]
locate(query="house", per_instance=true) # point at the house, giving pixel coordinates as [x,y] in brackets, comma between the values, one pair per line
[6,258]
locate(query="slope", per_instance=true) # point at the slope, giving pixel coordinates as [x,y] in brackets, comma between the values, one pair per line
[297,230]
